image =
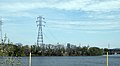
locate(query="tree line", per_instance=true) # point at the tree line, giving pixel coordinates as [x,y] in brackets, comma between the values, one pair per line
[7,48]
[49,50]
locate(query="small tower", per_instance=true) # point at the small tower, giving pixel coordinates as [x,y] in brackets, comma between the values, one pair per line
[1,29]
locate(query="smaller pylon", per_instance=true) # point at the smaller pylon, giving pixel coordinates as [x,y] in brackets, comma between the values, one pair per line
[1,29]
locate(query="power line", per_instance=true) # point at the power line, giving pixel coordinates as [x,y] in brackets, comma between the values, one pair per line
[47,37]
[51,35]
[76,19]
[65,19]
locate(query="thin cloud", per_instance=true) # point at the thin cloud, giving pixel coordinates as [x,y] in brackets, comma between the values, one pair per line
[89,6]
[87,25]
[104,6]
[84,5]
[16,6]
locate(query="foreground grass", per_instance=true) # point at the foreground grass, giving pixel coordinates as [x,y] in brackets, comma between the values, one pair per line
[11,61]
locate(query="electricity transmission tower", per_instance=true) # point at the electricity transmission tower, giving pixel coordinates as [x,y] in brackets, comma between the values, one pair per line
[1,29]
[40,30]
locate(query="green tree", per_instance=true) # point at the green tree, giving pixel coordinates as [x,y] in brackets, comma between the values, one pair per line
[85,51]
[95,51]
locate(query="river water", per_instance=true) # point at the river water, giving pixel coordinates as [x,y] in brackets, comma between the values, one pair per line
[70,61]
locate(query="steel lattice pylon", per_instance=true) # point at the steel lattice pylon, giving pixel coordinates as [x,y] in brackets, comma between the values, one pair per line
[1,29]
[40,32]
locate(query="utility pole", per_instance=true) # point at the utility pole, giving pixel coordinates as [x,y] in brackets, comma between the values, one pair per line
[108,46]
[1,29]
[40,30]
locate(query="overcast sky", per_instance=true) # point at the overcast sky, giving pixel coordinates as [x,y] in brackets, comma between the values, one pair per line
[85,22]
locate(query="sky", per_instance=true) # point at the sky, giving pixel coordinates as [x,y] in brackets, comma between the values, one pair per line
[79,22]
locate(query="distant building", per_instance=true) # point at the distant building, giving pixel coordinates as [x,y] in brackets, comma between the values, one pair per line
[68,45]
[114,51]
[73,46]
[18,44]
[60,46]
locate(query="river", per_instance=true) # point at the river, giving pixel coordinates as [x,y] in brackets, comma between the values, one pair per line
[70,61]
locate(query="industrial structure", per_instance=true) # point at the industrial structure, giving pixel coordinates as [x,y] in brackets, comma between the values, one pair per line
[1,29]
[40,31]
